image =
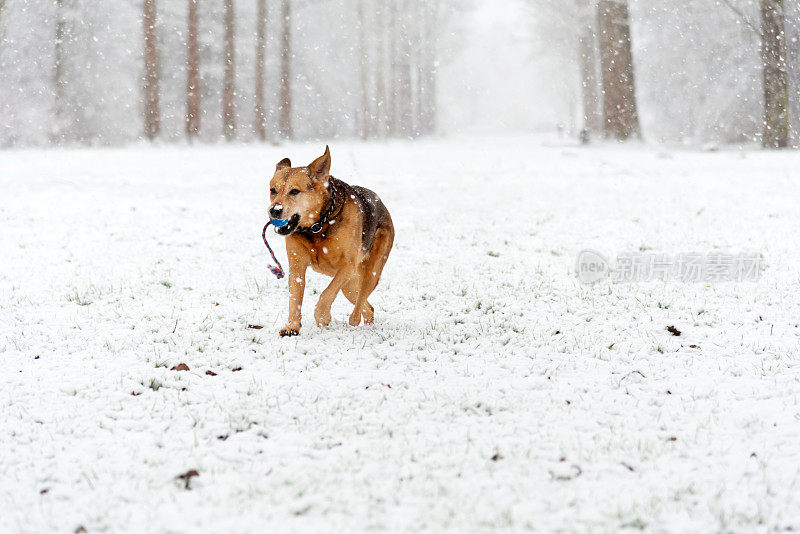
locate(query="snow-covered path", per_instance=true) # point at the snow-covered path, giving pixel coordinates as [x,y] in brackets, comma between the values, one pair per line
[494,389]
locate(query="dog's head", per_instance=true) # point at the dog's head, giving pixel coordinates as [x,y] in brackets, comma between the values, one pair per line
[298,194]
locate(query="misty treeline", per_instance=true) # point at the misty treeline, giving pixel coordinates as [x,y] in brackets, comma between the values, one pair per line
[83,71]
[707,70]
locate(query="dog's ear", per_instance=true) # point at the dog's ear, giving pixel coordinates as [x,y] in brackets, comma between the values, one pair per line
[320,167]
[285,163]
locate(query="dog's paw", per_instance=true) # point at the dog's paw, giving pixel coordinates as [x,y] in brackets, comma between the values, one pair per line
[289,331]
[369,315]
[355,318]
[322,318]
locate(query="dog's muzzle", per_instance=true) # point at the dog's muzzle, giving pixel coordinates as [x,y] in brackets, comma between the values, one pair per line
[275,212]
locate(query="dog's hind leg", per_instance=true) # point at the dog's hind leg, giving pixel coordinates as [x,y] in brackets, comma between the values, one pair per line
[322,312]
[368,278]
[351,292]
[361,297]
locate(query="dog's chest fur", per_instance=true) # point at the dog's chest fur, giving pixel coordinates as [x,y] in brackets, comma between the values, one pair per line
[351,234]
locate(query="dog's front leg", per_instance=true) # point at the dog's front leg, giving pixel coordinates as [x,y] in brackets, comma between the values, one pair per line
[298,264]
[322,313]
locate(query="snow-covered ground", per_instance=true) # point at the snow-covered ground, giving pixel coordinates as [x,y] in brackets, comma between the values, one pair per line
[493,391]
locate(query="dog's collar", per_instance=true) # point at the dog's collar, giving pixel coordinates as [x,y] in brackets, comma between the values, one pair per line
[317,226]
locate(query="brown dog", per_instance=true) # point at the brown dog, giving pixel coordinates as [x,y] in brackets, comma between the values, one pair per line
[340,230]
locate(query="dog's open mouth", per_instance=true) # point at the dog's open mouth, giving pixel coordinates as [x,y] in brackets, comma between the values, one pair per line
[289,226]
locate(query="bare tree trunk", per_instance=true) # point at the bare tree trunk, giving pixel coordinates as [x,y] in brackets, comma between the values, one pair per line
[776,81]
[229,76]
[591,112]
[59,81]
[419,57]
[621,119]
[791,17]
[381,122]
[404,79]
[364,65]
[431,105]
[151,94]
[391,108]
[2,7]
[261,54]
[428,72]
[193,74]
[285,121]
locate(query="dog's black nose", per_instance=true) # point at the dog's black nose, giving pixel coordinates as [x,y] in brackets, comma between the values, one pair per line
[275,212]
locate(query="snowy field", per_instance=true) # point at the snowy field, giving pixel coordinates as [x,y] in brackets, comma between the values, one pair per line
[494,391]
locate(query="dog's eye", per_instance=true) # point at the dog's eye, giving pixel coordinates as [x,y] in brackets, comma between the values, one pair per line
[294,192]
[272,191]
